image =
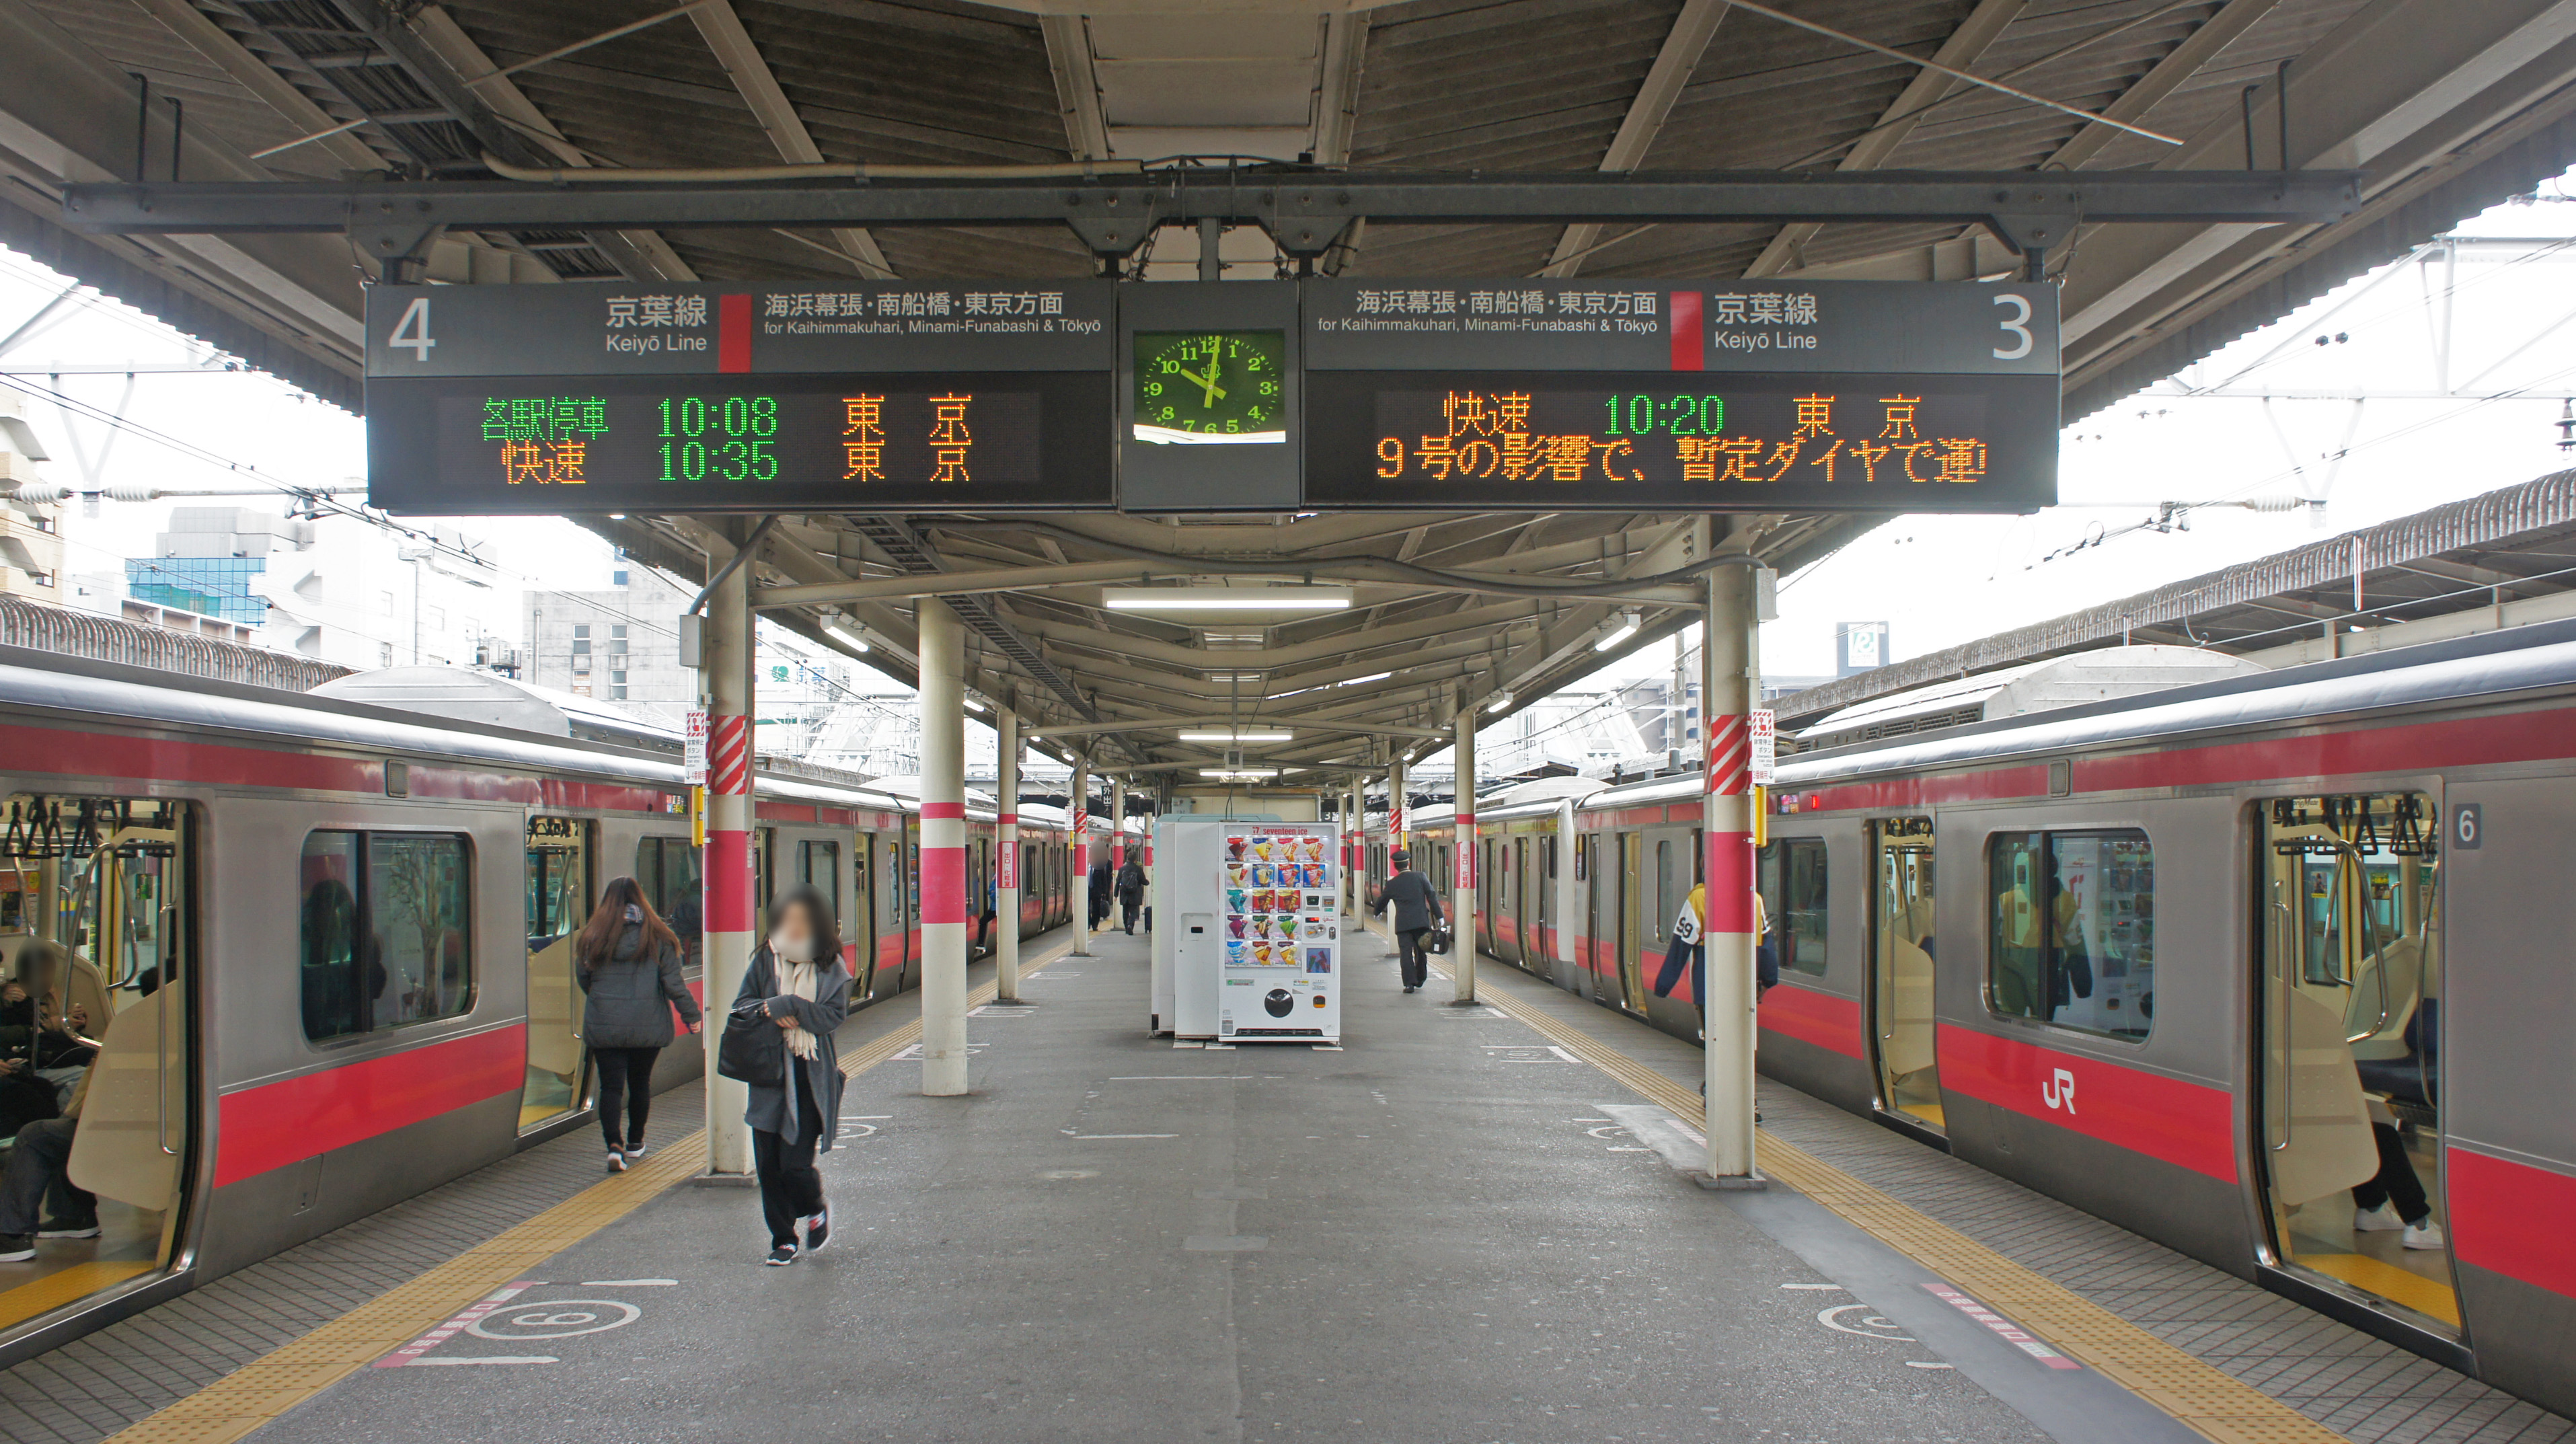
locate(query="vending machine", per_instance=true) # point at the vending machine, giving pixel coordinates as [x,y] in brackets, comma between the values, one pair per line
[1276,886]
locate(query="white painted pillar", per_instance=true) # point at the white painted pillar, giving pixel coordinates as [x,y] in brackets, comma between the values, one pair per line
[1354,839]
[1117,844]
[732,929]
[1462,883]
[1006,879]
[943,851]
[1081,802]
[1729,693]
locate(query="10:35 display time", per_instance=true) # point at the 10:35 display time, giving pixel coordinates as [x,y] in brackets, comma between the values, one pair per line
[727,438]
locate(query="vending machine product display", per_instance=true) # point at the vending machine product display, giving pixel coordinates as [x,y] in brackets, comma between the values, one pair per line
[1277,889]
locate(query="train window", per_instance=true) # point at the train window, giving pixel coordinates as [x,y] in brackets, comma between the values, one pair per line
[1668,898]
[2073,933]
[388,935]
[667,869]
[819,863]
[1793,890]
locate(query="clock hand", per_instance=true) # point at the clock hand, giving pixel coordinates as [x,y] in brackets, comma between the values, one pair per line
[1214,392]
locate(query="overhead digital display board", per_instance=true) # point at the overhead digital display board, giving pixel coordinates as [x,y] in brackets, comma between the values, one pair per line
[1748,396]
[1264,396]
[894,397]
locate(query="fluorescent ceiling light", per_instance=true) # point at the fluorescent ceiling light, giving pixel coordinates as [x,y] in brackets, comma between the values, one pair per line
[1225,599]
[848,635]
[1628,623]
[1235,736]
[1238,774]
[1501,701]
[974,706]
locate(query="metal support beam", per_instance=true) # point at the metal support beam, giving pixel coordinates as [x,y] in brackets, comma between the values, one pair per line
[1683,46]
[1974,36]
[725,35]
[1116,212]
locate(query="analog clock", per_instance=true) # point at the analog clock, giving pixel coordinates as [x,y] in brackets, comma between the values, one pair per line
[1211,387]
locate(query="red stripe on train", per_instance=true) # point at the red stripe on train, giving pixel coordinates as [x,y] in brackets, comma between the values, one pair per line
[2189,1125]
[2511,1218]
[110,754]
[2463,742]
[275,1124]
[1827,1020]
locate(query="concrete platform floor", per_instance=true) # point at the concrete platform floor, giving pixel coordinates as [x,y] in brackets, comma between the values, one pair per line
[1434,1233]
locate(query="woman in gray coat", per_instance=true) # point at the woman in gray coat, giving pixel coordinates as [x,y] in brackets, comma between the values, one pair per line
[628,962]
[797,982]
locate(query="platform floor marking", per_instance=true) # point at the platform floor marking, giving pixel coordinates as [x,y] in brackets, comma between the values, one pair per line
[2208,1400]
[255,1394]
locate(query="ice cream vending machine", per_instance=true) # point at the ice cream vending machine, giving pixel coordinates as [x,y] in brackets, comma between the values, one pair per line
[1280,971]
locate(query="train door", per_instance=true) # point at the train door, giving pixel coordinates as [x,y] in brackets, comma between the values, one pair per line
[818,865]
[558,894]
[1632,924]
[2350,997]
[863,913]
[1902,952]
[667,869]
[97,929]
[1533,953]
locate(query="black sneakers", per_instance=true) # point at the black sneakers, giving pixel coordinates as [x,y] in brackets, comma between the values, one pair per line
[783,1255]
[69,1228]
[818,1230]
[17,1247]
[616,1161]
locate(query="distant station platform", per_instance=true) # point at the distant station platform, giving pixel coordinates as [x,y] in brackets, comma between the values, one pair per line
[1464,1223]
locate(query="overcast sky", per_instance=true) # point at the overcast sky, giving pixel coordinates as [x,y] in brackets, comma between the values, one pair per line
[1936,580]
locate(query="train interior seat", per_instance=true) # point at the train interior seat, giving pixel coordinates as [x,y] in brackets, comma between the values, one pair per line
[2404,1076]
[2388,981]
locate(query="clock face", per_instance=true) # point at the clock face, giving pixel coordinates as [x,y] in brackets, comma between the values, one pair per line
[1203,387]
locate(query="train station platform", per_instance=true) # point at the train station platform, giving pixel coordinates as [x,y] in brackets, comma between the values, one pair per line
[1464,1224]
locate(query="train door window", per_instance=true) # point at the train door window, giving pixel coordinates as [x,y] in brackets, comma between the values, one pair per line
[667,869]
[97,928]
[863,913]
[764,853]
[2350,997]
[1668,897]
[388,938]
[2073,938]
[1903,948]
[1793,892]
[818,865]
[558,893]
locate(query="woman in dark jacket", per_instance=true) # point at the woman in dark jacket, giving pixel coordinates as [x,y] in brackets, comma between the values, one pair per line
[628,961]
[798,983]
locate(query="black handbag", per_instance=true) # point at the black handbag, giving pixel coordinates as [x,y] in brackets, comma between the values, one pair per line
[1436,941]
[753,1049]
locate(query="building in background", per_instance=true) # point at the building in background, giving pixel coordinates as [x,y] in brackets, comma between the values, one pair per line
[336,587]
[619,645]
[31,540]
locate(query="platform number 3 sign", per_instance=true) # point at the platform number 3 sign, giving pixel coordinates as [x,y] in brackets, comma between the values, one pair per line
[2468,828]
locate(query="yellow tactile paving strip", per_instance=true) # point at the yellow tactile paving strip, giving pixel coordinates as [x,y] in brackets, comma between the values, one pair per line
[2207,1399]
[238,1403]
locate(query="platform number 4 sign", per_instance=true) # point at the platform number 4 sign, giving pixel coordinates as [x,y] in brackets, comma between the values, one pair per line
[413,330]
[2468,827]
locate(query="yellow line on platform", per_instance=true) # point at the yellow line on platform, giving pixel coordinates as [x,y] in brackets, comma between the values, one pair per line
[2209,1400]
[255,1394]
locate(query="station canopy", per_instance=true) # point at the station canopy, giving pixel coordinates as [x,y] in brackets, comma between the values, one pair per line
[2437,110]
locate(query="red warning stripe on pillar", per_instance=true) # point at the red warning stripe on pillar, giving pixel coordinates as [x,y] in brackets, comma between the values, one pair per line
[1730,756]
[729,756]
[943,869]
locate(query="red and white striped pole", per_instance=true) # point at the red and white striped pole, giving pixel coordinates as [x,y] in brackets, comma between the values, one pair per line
[1730,689]
[727,903]
[1081,803]
[943,851]
[1006,869]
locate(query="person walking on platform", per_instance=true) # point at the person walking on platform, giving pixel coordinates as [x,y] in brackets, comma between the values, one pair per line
[1131,894]
[797,982]
[1102,885]
[628,963]
[1688,947]
[1417,909]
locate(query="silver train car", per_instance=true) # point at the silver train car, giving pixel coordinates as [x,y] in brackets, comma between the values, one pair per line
[325,949]
[2255,968]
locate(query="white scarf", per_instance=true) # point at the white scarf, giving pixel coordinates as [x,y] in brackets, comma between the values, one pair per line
[796,980]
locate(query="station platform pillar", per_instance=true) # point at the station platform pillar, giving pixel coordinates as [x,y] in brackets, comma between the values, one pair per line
[730,905]
[1080,806]
[1462,873]
[1006,866]
[943,851]
[1731,688]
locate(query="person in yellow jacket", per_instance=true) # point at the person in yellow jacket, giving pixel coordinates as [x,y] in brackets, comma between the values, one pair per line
[1687,947]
